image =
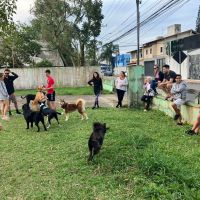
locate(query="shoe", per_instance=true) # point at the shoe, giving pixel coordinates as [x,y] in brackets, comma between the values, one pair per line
[117,106]
[180,124]
[190,132]
[93,107]
[145,110]
[10,114]
[6,118]
[17,111]
[176,117]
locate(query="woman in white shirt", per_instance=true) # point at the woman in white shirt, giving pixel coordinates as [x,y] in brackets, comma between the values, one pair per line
[121,87]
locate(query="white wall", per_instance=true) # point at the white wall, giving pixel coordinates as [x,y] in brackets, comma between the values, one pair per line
[31,78]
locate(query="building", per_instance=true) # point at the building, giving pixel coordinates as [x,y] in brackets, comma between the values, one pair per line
[122,60]
[157,51]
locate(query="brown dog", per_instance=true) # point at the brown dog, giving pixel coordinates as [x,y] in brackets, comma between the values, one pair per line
[40,97]
[71,107]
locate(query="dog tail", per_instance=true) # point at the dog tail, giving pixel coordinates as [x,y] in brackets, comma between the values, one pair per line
[58,113]
[23,97]
[81,102]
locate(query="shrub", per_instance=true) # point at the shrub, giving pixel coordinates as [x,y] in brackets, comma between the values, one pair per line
[44,63]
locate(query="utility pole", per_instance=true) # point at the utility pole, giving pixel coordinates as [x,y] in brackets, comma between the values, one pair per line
[138,2]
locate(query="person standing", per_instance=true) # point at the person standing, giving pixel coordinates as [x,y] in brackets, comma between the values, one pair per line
[9,82]
[50,90]
[121,84]
[96,81]
[4,98]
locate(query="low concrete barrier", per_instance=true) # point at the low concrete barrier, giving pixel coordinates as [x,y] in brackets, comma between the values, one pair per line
[189,111]
[109,83]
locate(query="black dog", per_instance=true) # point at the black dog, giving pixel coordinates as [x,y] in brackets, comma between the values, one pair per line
[31,117]
[96,139]
[49,113]
[29,97]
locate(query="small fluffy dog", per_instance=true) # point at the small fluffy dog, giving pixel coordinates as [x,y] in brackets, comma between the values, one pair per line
[49,113]
[96,139]
[71,107]
[29,97]
[31,116]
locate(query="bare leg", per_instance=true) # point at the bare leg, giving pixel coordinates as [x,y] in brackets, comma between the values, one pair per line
[196,125]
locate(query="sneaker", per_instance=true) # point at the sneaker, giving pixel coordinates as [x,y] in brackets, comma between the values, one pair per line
[6,118]
[145,110]
[180,124]
[18,112]
[190,132]
[176,117]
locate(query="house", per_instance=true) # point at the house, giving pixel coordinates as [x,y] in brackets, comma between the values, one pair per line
[158,50]
[134,57]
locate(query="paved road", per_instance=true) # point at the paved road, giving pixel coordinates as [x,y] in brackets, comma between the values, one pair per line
[108,100]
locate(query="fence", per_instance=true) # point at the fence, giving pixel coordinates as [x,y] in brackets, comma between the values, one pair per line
[31,78]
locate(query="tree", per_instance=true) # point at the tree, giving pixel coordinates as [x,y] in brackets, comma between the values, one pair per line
[19,46]
[69,26]
[51,18]
[89,27]
[7,9]
[198,22]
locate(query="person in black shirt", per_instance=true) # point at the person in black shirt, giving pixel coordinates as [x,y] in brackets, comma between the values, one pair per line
[8,80]
[169,79]
[96,81]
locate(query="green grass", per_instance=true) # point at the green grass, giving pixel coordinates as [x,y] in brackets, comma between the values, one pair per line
[64,91]
[144,156]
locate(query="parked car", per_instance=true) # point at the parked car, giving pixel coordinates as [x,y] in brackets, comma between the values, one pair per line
[108,72]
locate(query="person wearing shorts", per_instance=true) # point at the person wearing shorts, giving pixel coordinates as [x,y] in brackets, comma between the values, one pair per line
[178,95]
[8,80]
[4,98]
[50,90]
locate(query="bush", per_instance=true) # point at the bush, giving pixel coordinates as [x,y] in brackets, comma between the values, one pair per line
[44,63]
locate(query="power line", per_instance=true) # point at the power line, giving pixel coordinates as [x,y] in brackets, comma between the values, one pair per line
[165,8]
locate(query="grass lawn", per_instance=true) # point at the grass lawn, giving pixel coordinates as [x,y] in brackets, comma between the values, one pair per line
[144,156]
[64,91]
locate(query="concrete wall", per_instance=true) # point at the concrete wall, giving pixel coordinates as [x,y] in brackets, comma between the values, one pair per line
[117,70]
[189,112]
[31,78]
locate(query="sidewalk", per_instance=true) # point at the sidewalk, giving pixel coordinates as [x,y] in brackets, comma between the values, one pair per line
[108,100]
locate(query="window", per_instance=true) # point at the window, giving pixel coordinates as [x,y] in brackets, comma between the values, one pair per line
[147,52]
[161,49]
[160,62]
[150,51]
[141,55]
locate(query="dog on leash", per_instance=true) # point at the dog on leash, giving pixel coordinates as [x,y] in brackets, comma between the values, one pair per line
[49,113]
[71,107]
[32,117]
[96,139]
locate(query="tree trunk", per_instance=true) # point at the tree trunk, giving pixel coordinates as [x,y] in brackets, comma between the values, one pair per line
[62,58]
[82,49]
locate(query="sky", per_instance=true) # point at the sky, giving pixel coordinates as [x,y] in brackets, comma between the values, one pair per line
[120,16]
